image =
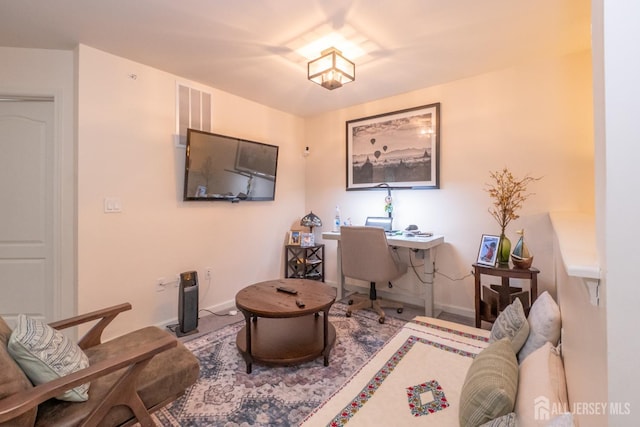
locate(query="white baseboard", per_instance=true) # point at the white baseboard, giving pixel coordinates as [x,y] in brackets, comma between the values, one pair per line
[438,308]
[225,306]
[454,309]
[222,308]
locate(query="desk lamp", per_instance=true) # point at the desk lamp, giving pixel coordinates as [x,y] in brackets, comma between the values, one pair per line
[311,220]
[388,201]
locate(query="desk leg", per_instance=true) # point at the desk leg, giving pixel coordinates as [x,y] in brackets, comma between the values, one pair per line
[429,276]
[340,275]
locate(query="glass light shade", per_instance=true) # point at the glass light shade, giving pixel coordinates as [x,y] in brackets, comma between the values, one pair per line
[311,220]
[331,70]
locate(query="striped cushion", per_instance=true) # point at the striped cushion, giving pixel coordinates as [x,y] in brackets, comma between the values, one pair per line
[511,323]
[490,387]
[45,354]
[508,420]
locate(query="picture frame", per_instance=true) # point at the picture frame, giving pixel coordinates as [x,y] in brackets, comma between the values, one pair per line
[201,191]
[488,251]
[294,237]
[400,149]
[307,240]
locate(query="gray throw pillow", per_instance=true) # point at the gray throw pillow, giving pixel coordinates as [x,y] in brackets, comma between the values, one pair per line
[511,323]
[45,354]
[544,325]
[490,387]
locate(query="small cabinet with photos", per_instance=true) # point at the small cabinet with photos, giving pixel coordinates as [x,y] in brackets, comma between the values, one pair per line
[304,262]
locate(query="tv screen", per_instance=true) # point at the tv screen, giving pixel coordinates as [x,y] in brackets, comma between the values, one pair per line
[220,167]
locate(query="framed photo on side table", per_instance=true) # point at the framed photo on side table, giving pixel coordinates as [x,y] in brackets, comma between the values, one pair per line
[294,237]
[488,252]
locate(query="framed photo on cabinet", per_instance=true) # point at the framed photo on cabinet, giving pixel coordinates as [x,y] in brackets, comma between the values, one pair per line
[307,240]
[294,237]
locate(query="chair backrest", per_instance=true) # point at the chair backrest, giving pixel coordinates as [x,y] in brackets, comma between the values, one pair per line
[365,255]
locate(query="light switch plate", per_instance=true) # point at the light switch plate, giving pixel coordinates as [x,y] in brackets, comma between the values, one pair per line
[112,205]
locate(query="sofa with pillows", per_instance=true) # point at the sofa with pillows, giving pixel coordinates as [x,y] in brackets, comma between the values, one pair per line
[519,378]
[438,373]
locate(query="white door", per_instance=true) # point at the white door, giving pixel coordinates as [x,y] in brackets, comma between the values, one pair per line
[27,191]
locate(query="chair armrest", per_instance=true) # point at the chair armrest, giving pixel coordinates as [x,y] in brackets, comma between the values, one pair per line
[94,335]
[19,403]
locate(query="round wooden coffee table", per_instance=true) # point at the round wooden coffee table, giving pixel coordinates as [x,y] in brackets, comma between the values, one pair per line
[286,334]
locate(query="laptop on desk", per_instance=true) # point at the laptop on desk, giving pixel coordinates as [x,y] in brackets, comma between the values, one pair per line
[383,222]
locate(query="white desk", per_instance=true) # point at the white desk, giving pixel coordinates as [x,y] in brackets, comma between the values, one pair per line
[422,244]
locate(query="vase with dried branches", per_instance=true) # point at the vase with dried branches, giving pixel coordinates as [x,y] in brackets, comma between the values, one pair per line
[508,194]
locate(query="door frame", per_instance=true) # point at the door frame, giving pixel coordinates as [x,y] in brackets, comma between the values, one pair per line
[64,258]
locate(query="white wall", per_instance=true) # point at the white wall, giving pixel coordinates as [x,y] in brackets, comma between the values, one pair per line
[126,150]
[534,119]
[618,224]
[584,354]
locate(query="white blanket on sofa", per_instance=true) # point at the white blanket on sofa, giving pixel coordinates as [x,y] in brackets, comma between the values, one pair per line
[415,379]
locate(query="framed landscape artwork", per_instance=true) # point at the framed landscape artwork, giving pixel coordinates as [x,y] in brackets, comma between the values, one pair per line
[395,150]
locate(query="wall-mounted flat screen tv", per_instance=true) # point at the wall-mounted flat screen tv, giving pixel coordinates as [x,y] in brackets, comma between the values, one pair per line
[220,167]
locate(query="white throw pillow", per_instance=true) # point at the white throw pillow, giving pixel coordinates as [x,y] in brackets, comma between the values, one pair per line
[544,325]
[511,323]
[562,420]
[45,354]
[542,388]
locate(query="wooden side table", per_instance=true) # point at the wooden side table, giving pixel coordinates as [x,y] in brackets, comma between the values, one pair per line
[304,262]
[497,297]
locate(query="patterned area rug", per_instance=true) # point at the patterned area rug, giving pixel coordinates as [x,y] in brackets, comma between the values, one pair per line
[225,395]
[414,380]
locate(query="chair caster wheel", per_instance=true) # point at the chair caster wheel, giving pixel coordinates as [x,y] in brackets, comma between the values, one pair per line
[348,314]
[350,302]
[381,320]
[400,310]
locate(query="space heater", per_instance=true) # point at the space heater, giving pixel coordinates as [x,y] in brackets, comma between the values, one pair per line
[188,304]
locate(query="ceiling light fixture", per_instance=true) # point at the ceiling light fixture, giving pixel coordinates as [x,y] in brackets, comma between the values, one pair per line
[331,70]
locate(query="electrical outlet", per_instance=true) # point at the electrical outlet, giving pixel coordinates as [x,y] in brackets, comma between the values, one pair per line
[160,284]
[207,273]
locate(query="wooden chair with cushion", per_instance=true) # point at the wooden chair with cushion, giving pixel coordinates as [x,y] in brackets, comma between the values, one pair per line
[365,255]
[128,377]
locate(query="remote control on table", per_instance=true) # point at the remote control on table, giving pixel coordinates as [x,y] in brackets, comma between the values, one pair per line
[299,303]
[287,290]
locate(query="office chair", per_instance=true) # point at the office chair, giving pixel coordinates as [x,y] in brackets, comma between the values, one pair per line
[365,255]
